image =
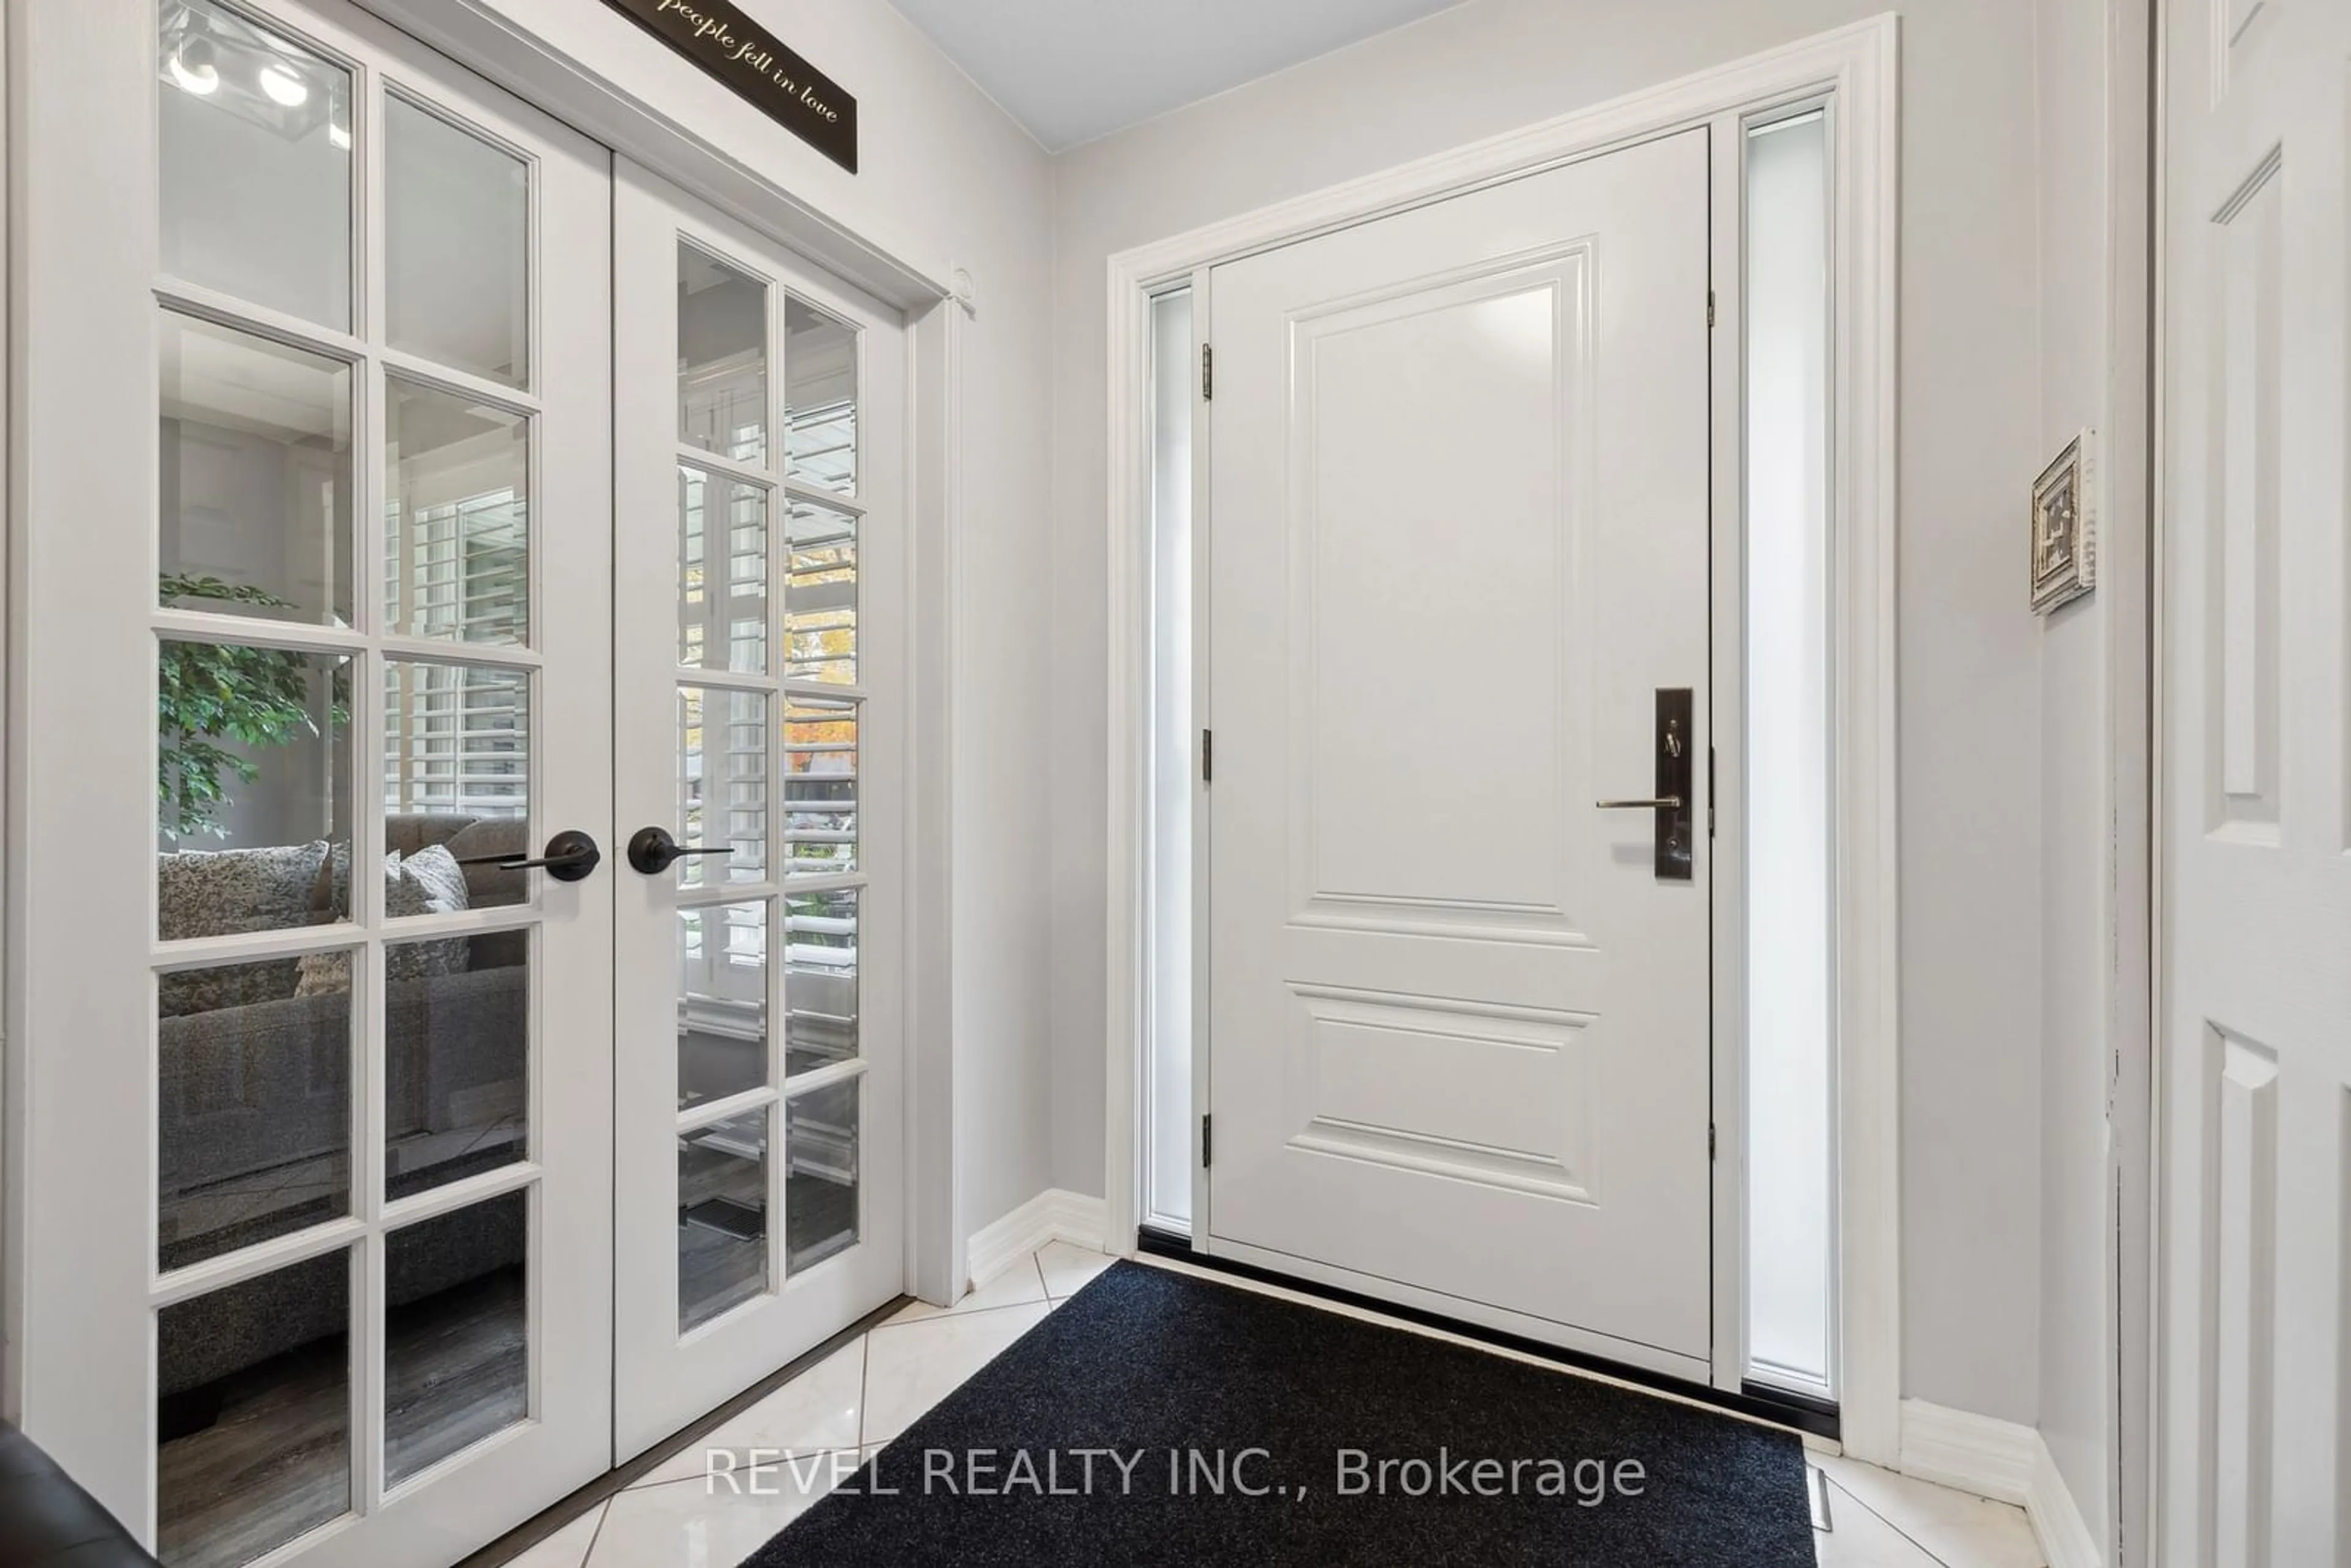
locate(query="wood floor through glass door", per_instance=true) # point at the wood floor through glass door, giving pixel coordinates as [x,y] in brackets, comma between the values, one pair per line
[311,1105]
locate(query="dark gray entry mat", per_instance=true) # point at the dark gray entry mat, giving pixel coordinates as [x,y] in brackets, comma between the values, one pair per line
[1101,1436]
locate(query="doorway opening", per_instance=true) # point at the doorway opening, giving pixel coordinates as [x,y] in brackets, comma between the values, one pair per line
[1794,578]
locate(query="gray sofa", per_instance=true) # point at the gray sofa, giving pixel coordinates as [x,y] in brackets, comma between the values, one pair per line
[254,1108]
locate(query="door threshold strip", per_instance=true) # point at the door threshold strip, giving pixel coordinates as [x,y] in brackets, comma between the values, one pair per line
[1815,1418]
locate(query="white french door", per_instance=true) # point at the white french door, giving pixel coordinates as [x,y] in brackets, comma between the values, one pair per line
[761,639]
[312,1176]
[1460,863]
[2254,1419]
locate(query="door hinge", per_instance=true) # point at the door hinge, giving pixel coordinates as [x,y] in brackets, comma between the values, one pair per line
[1208,756]
[1710,307]
[1204,1144]
[1710,791]
[1709,1140]
[1207,373]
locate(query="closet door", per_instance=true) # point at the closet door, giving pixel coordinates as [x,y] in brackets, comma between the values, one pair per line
[310,1095]
[761,643]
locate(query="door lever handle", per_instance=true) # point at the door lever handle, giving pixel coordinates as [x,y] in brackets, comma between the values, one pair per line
[571,856]
[1674,857]
[653,851]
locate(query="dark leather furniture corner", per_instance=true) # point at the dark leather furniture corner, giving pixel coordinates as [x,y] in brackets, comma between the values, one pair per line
[49,1522]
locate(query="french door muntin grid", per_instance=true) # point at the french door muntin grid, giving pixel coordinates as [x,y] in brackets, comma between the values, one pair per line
[771,478]
[370,650]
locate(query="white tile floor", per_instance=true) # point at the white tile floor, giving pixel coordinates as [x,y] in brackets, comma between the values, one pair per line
[830,1418]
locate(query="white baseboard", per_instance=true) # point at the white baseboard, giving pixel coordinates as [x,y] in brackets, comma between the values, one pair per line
[2057,1522]
[1978,1454]
[1052,1215]
[2005,1461]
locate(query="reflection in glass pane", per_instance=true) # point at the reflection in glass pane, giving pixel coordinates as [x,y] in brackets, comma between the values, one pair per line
[821,396]
[722,784]
[253,1414]
[456,1358]
[456,1033]
[821,979]
[722,358]
[255,515]
[722,1217]
[255,139]
[456,517]
[819,785]
[820,596]
[253,760]
[253,1104]
[457,740]
[722,573]
[456,277]
[820,1175]
[721,1001]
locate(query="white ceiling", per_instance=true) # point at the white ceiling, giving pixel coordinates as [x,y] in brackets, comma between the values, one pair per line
[1071,70]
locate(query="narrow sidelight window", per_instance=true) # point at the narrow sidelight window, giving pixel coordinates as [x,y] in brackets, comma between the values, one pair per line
[1168,1086]
[1791,1024]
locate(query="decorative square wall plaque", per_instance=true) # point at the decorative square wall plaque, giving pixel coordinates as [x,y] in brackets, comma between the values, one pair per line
[2065,532]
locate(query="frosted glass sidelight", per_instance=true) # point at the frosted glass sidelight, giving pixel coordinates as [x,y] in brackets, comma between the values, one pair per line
[1168,1087]
[1791,1044]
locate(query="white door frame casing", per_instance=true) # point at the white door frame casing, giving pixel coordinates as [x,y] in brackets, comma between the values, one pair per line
[1852,69]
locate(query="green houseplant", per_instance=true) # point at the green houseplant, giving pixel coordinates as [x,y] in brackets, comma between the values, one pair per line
[211,693]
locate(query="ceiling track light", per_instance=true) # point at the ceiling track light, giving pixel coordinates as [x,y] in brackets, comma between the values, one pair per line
[192,66]
[284,86]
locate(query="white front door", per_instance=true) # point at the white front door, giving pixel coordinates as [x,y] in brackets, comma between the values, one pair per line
[761,638]
[1458,1016]
[2255,1372]
[311,1152]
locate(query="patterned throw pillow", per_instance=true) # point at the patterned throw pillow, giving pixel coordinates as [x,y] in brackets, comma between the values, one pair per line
[429,881]
[218,892]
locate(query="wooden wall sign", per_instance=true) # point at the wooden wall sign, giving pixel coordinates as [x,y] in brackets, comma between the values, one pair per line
[717,36]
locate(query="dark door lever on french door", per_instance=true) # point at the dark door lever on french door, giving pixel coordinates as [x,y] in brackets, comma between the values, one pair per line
[653,851]
[571,856]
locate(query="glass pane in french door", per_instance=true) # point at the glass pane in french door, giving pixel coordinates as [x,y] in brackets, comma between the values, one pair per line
[253,1451]
[375,1209]
[799,724]
[256,165]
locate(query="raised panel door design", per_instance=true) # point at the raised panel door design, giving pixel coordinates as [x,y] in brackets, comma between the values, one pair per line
[1460,524]
[1450,580]
[2253,1406]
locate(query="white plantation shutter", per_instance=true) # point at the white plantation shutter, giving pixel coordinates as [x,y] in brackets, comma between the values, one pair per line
[457,735]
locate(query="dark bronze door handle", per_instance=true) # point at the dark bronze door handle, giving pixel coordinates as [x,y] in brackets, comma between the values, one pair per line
[571,856]
[653,851]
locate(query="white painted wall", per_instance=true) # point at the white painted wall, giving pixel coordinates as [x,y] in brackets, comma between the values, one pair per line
[945,180]
[1970,765]
[2089,62]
